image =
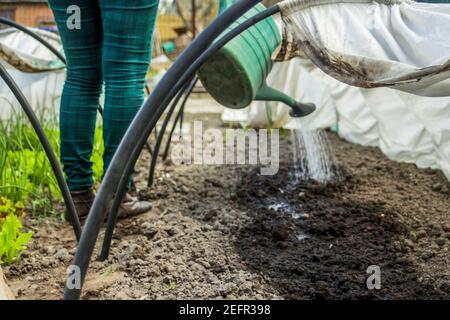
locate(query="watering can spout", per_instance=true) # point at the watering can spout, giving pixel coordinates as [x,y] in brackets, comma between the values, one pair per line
[236,75]
[298,109]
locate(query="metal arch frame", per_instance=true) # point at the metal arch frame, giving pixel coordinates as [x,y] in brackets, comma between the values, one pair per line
[115,179]
[48,149]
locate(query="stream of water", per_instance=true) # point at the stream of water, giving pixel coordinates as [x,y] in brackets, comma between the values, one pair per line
[313,157]
[313,160]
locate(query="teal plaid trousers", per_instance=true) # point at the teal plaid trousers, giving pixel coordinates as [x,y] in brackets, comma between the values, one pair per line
[110,46]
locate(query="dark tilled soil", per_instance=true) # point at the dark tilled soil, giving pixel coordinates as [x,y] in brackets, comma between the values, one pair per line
[228,232]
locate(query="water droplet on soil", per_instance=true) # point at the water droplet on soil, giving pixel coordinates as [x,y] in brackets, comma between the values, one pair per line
[301,236]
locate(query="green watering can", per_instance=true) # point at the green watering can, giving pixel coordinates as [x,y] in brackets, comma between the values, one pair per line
[236,75]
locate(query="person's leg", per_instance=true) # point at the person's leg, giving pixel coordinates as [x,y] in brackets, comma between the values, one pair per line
[127,30]
[80,98]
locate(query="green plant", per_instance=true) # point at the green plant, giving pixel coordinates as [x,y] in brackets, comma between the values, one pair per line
[172,285]
[25,173]
[97,155]
[24,169]
[12,240]
[8,207]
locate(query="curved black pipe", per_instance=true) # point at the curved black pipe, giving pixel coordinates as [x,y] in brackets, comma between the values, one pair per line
[35,36]
[122,184]
[172,132]
[37,127]
[113,213]
[112,220]
[179,118]
[44,42]
[191,70]
[149,147]
[188,90]
[158,143]
[131,145]
[182,118]
[72,213]
[130,165]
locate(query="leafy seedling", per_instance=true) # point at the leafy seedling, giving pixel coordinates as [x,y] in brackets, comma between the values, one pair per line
[12,240]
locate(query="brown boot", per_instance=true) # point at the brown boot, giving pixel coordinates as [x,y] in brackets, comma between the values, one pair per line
[131,206]
[83,201]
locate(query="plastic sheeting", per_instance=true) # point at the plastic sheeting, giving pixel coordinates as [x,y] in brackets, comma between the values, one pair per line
[372,44]
[375,43]
[27,54]
[44,78]
[405,127]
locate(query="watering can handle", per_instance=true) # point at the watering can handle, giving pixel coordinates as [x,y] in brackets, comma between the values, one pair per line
[299,109]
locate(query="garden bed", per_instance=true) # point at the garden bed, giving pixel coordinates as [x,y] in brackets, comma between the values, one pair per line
[228,232]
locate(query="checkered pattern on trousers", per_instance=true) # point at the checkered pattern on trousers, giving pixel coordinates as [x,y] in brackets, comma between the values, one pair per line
[112,48]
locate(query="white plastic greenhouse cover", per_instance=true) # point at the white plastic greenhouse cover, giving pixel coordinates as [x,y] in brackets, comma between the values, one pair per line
[384,43]
[402,38]
[44,77]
